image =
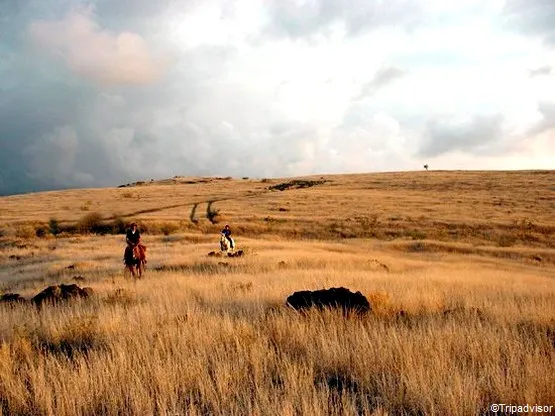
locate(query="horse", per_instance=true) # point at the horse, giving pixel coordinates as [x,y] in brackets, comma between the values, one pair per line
[225,246]
[135,259]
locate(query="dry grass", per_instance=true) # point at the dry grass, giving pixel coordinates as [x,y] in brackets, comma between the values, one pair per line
[501,209]
[456,325]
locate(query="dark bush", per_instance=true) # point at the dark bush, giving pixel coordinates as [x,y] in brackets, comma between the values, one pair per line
[192,215]
[54,226]
[41,231]
[211,213]
[296,184]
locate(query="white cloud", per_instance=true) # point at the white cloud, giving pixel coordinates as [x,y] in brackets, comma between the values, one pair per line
[372,144]
[97,54]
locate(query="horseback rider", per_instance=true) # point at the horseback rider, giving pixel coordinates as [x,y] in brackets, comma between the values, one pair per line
[227,233]
[133,239]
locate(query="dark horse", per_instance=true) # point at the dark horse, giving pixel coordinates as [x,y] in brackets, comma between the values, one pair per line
[135,259]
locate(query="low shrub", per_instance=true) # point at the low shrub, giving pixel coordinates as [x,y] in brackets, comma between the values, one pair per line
[296,184]
[54,226]
[86,206]
[41,231]
[211,213]
[25,231]
[90,223]
[118,225]
[192,215]
[168,228]
[506,240]
[380,302]
[416,234]
[77,338]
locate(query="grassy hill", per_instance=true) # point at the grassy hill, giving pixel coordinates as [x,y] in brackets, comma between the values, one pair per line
[458,266]
[493,208]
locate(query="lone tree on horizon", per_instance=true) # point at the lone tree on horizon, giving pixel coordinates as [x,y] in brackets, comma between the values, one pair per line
[426,166]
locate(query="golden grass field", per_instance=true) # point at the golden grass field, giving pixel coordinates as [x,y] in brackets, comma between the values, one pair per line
[458,266]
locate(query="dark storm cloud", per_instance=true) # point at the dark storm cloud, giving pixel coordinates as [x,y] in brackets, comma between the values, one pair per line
[28,111]
[531,17]
[477,135]
[47,140]
[58,130]
[47,123]
[287,18]
[53,127]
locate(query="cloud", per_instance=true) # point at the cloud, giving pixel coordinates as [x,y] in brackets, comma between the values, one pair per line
[476,134]
[263,89]
[112,100]
[531,17]
[97,54]
[49,135]
[547,122]
[51,159]
[383,77]
[368,142]
[303,18]
[541,71]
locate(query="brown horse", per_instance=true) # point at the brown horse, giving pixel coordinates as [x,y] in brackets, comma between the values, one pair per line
[135,260]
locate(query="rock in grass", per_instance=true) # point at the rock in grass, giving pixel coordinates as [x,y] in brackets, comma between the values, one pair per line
[12,298]
[338,298]
[55,294]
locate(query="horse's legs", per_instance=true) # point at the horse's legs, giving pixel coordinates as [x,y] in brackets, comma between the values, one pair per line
[225,245]
[128,270]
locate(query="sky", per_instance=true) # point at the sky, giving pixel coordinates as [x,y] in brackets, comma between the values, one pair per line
[104,92]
